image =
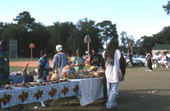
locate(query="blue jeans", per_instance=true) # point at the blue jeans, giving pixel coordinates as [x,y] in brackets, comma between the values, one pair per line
[2,78]
[112,92]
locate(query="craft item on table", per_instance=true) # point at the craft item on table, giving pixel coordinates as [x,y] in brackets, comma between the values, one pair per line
[20,84]
[83,73]
[9,86]
[68,72]
[55,75]
[99,72]
[93,68]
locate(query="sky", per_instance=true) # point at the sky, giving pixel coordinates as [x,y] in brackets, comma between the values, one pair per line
[136,17]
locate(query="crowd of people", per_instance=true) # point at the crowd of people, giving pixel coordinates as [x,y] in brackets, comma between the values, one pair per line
[162,61]
[114,72]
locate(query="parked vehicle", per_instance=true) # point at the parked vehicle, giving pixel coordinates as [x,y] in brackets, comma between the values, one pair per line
[136,61]
[140,58]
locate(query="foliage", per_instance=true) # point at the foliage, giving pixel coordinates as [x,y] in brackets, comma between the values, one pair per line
[107,31]
[167,7]
[62,33]
[125,39]
[40,36]
[25,20]
[87,27]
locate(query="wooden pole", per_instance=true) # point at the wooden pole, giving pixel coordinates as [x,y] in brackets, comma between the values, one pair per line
[132,49]
[31,54]
[88,47]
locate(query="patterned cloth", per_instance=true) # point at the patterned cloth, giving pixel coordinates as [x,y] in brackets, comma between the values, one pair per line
[9,98]
[60,60]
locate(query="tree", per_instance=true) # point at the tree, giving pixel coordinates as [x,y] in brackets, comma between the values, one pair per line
[123,36]
[125,39]
[87,27]
[25,19]
[107,31]
[1,28]
[167,7]
[20,34]
[62,33]
[40,36]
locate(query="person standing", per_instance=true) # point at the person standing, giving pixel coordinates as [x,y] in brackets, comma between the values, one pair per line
[149,59]
[146,61]
[43,69]
[130,59]
[43,66]
[4,62]
[60,60]
[112,69]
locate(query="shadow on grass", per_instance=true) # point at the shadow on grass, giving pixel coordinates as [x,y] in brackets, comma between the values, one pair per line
[134,66]
[143,100]
[161,69]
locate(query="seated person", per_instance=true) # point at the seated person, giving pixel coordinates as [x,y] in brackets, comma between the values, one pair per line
[96,59]
[78,62]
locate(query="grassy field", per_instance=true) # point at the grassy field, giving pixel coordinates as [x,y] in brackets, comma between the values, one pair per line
[26,59]
[135,94]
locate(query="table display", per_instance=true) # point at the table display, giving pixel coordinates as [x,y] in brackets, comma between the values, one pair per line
[87,90]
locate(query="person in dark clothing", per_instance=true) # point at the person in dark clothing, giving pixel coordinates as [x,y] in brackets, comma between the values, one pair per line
[4,62]
[130,59]
[43,69]
[149,59]
[95,58]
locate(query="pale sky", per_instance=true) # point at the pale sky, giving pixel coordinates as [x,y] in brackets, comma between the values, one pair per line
[136,17]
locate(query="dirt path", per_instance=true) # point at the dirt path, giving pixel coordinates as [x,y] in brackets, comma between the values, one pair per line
[23,63]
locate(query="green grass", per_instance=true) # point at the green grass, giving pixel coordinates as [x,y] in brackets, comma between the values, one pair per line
[13,69]
[25,59]
[134,94]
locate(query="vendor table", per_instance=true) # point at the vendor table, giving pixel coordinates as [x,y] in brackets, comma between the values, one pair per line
[21,79]
[87,90]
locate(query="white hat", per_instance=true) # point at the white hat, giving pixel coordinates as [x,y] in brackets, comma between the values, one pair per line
[59,47]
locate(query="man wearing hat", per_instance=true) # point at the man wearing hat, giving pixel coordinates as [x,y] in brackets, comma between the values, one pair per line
[4,62]
[60,60]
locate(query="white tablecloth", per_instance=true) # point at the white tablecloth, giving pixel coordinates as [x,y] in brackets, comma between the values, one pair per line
[91,90]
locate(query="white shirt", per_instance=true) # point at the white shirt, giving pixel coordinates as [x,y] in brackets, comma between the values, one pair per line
[111,71]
